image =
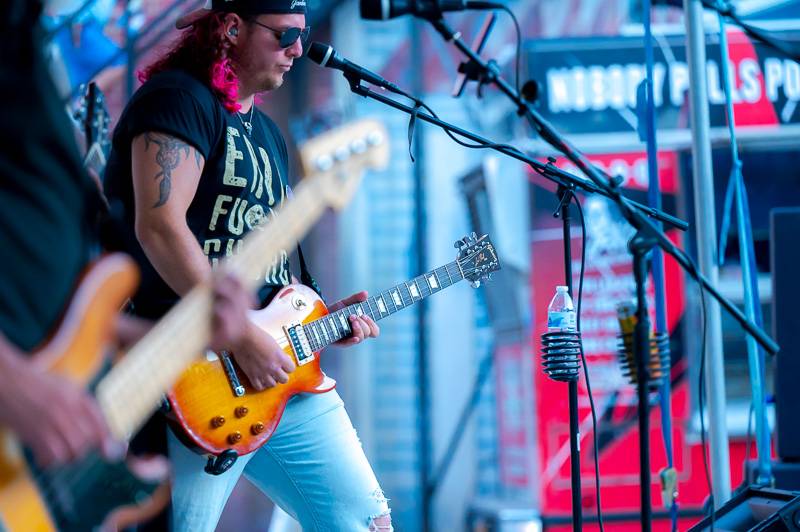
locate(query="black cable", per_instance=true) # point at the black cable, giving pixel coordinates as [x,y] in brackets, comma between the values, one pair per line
[519,46]
[585,366]
[728,10]
[490,145]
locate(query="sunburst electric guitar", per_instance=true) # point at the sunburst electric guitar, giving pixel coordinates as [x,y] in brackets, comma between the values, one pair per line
[223,416]
[94,493]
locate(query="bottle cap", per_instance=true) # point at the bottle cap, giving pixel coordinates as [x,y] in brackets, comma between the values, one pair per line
[561,289]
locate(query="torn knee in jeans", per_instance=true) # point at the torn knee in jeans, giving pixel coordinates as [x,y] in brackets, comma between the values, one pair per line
[381,523]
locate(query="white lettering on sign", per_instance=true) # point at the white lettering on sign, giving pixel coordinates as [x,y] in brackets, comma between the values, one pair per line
[597,87]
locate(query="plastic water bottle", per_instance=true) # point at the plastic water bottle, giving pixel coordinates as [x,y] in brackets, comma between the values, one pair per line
[561,312]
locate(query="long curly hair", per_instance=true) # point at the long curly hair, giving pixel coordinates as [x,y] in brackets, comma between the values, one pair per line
[201,51]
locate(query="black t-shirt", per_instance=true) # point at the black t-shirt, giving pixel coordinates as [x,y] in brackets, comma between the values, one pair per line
[48,204]
[242,181]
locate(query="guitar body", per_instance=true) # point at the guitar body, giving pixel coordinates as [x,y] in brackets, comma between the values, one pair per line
[203,402]
[91,492]
[217,410]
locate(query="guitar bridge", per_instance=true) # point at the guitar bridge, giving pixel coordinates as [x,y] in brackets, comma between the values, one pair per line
[299,343]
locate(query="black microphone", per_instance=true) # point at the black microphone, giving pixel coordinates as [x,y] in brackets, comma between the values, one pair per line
[428,9]
[324,55]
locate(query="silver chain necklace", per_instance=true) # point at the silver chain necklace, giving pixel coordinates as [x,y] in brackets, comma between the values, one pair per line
[248,124]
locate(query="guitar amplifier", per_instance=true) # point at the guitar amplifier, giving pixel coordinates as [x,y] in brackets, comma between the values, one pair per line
[784,261]
[756,510]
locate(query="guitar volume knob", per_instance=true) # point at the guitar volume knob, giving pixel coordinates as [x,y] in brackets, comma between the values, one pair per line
[234,437]
[241,411]
[217,422]
[257,428]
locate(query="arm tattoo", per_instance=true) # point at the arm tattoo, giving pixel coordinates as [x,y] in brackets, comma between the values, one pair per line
[168,159]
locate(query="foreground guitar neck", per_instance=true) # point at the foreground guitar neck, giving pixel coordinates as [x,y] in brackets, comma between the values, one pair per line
[133,388]
[336,325]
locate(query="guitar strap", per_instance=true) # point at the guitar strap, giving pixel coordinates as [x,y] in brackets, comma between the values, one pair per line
[305,276]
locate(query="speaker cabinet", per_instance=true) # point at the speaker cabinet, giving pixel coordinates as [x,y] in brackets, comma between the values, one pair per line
[756,510]
[785,263]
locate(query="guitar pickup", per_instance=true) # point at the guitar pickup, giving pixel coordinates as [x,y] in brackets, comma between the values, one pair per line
[299,343]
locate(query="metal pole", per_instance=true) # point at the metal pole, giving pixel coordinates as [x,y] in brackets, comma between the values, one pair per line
[640,246]
[572,387]
[425,459]
[706,229]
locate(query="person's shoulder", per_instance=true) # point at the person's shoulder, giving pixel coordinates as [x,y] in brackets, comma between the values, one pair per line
[178,80]
[176,103]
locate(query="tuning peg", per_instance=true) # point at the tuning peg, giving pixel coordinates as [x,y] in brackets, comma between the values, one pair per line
[375,138]
[342,153]
[475,284]
[358,146]
[323,163]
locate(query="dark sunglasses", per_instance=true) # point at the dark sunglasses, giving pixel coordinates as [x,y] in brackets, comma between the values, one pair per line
[289,36]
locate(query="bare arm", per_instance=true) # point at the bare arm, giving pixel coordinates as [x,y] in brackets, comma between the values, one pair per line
[166,173]
[57,419]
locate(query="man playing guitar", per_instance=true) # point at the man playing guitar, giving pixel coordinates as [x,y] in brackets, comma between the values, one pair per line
[194,166]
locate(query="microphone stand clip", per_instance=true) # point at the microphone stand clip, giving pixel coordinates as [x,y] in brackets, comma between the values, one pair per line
[475,72]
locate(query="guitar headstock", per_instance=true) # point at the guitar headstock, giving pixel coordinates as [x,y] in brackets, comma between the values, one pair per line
[341,155]
[92,115]
[477,258]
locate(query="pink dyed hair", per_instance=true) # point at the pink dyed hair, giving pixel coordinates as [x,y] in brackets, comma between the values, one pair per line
[200,51]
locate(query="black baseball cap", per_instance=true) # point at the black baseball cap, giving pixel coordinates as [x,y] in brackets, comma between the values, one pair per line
[243,7]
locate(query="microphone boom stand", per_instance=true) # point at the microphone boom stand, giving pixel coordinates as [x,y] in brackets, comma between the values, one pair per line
[647,235]
[628,207]
[567,184]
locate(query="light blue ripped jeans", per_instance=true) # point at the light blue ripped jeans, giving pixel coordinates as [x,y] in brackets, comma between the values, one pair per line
[313,467]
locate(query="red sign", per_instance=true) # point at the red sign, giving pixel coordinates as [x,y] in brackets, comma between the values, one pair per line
[608,280]
[632,168]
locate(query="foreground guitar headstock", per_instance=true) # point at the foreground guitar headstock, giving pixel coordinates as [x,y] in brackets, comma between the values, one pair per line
[94,120]
[477,258]
[340,156]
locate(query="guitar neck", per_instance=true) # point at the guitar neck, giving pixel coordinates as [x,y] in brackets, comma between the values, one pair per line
[133,389]
[336,325]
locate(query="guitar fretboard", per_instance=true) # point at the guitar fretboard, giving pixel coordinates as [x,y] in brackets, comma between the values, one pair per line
[336,325]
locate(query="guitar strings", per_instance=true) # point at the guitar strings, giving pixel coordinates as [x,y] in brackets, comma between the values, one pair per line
[52,484]
[452,270]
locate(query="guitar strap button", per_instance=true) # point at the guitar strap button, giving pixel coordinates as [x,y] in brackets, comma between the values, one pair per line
[217,465]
